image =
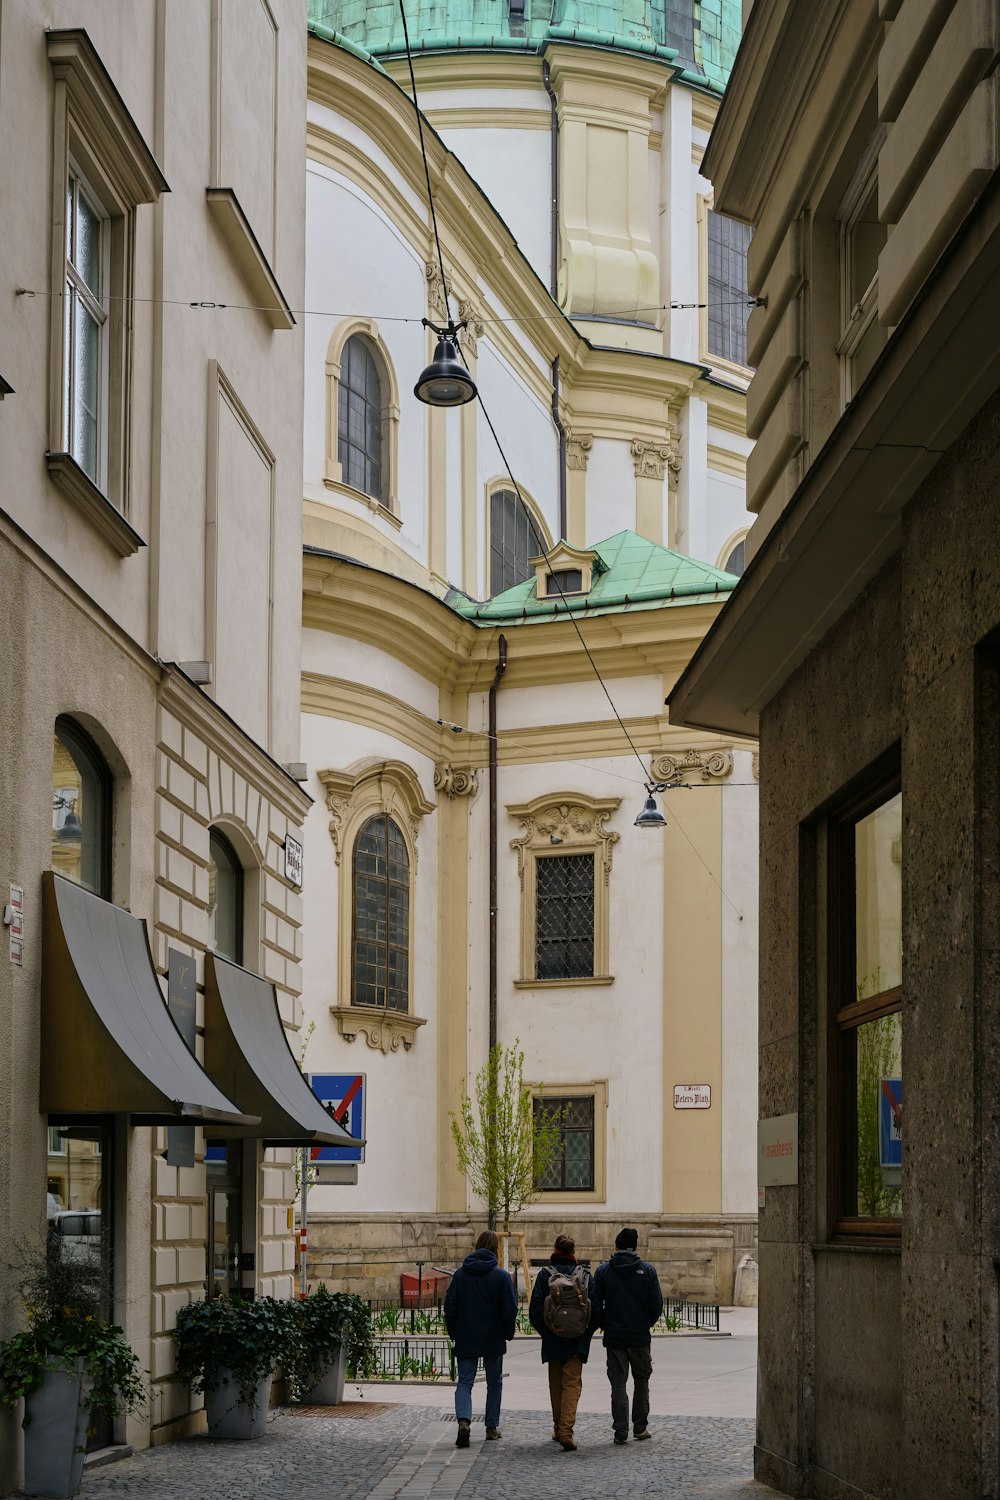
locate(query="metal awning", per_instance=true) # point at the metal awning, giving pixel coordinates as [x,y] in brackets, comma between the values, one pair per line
[109,1043]
[248,1054]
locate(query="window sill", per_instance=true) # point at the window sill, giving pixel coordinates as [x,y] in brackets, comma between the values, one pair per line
[384,1029]
[566,1195]
[377,507]
[67,475]
[233,225]
[564,984]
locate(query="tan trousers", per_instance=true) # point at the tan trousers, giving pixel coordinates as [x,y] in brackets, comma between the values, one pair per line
[565,1386]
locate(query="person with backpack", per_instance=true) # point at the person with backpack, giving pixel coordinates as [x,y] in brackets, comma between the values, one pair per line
[628,1303]
[480,1314]
[562,1311]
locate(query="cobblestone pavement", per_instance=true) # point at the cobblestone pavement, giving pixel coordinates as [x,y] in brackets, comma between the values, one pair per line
[408,1453]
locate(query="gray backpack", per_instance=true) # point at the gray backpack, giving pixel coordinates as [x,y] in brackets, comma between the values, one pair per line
[566,1308]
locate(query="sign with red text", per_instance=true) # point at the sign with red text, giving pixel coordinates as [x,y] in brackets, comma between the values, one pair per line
[692,1096]
[778,1151]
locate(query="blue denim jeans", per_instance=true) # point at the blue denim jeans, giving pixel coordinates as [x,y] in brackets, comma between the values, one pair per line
[463,1391]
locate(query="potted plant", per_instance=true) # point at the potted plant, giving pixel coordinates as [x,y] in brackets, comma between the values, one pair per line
[228,1348]
[64,1364]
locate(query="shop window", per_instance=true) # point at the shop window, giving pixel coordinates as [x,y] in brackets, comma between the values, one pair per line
[728,297]
[867,1020]
[225,899]
[380,944]
[81,810]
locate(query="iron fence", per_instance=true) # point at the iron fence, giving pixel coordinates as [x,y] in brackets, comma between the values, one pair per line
[415,1359]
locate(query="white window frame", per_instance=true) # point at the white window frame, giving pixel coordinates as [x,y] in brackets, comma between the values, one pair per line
[99,309]
[856,316]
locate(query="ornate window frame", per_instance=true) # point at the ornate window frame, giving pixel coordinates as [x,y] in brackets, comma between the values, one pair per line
[565,823]
[387,505]
[597,1090]
[353,796]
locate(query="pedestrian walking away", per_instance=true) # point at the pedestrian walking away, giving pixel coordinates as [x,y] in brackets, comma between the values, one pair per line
[562,1310]
[480,1314]
[628,1303]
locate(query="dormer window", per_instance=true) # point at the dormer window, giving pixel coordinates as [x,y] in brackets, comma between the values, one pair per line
[565,570]
[565,581]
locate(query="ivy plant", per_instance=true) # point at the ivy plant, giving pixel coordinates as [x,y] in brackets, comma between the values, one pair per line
[234,1335]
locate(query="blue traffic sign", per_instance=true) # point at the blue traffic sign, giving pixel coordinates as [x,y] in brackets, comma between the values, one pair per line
[344,1094]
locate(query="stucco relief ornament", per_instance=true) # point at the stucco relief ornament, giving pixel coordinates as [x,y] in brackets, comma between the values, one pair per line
[653,460]
[472,317]
[578,446]
[437,302]
[337,807]
[712,765]
[455,781]
[755,767]
[567,823]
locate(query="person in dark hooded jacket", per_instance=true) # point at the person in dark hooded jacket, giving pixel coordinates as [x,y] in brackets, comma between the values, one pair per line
[629,1301]
[480,1314]
[565,1357]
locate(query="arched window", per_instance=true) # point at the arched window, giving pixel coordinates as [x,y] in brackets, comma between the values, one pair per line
[736,562]
[81,809]
[225,899]
[361,403]
[513,540]
[380,941]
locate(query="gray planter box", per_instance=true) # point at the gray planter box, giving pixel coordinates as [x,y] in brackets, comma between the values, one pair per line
[229,1417]
[329,1388]
[55,1433]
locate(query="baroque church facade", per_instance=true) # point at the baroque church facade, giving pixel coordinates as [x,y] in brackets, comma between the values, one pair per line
[496,600]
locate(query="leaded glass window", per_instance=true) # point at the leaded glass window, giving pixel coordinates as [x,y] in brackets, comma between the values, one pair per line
[564,916]
[513,541]
[381,935]
[728,298]
[360,426]
[736,562]
[572,1169]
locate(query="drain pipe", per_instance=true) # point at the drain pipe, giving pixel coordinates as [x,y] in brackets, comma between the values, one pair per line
[562,448]
[501,668]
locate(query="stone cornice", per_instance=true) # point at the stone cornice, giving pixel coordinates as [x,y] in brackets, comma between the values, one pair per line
[381,1028]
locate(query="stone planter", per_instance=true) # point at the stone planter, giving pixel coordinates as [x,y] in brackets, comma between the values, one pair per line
[55,1432]
[232,1419]
[329,1388]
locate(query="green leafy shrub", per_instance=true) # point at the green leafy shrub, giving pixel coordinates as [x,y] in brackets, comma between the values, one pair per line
[230,1333]
[62,1300]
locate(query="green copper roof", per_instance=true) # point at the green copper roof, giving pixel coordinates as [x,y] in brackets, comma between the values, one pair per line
[637,575]
[698,37]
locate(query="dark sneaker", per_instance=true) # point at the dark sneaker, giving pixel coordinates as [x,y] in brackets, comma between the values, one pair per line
[621,1437]
[462,1441]
[492,1433]
[568,1445]
[643,1436]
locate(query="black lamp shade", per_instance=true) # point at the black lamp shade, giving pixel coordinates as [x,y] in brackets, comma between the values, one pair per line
[650,817]
[446,381]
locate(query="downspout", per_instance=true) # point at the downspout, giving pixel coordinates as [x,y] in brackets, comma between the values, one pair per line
[554,286]
[501,668]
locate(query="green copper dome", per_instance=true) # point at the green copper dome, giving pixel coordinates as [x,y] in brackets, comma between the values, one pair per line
[698,38]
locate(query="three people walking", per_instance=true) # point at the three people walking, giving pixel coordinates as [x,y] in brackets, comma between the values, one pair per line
[567,1307]
[480,1314]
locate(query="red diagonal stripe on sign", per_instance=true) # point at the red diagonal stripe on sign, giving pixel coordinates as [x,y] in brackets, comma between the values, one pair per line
[345,1103]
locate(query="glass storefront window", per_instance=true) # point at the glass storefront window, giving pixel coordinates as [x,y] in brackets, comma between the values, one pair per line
[81,810]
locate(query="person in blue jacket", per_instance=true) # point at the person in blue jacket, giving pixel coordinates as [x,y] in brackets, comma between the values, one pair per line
[480,1314]
[628,1303]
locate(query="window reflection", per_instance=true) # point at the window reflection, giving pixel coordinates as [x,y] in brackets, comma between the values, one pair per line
[225,899]
[81,806]
[878,947]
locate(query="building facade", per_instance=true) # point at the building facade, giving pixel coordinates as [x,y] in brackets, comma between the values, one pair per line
[862,644]
[150,545]
[603,306]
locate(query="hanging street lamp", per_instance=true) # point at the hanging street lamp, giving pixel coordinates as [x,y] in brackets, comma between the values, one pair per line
[651,817]
[446,380]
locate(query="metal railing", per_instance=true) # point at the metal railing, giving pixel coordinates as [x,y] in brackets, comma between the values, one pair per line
[415,1359]
[679,1314]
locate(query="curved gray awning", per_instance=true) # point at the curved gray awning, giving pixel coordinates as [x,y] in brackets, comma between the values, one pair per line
[248,1054]
[109,1043]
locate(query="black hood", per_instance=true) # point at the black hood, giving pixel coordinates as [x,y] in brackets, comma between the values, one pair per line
[624,1261]
[479,1262]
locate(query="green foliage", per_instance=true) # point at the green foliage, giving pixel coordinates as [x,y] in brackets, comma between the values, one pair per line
[671,1322]
[878,1051]
[230,1333]
[501,1149]
[62,1300]
[317,1327]
[353,1317]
